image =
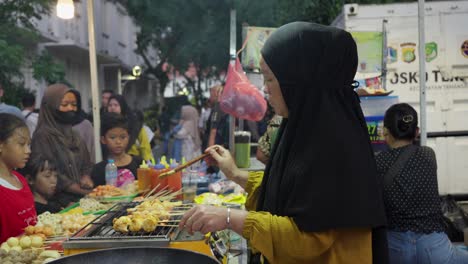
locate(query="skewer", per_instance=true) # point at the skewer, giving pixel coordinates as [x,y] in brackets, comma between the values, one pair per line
[170,196]
[163,193]
[55,237]
[183,166]
[151,192]
[163,190]
[52,241]
[180,213]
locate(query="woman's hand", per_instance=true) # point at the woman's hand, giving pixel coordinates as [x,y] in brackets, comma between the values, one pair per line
[223,159]
[204,219]
[76,188]
[86,182]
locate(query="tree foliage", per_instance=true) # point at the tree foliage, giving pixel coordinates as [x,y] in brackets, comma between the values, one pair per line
[185,33]
[196,32]
[45,68]
[18,39]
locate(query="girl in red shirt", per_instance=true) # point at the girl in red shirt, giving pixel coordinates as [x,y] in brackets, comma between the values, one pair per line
[17,204]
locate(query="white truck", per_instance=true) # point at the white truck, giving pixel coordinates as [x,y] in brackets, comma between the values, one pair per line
[446,37]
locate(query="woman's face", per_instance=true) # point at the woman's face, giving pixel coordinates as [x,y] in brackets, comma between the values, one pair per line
[113,106]
[273,90]
[46,182]
[68,103]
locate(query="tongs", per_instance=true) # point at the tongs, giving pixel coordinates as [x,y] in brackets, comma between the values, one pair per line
[183,166]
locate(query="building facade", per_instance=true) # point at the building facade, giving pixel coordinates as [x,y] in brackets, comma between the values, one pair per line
[115,35]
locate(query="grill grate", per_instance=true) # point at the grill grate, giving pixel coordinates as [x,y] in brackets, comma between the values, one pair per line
[100,233]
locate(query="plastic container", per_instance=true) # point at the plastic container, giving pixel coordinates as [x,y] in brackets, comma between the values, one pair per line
[144,177]
[111,173]
[377,105]
[174,181]
[242,148]
[190,184]
[157,170]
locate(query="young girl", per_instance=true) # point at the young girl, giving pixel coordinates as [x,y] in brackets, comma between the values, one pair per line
[17,210]
[42,177]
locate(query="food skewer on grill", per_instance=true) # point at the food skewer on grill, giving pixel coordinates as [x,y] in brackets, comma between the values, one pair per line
[147,216]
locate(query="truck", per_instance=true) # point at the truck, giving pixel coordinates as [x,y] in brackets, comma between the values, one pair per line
[446,46]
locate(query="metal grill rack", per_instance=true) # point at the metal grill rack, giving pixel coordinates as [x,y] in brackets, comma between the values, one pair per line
[99,233]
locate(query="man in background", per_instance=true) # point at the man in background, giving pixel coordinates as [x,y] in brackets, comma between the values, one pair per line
[106,94]
[218,126]
[30,116]
[9,109]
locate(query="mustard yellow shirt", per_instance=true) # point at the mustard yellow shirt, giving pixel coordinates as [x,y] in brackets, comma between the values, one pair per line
[142,147]
[279,239]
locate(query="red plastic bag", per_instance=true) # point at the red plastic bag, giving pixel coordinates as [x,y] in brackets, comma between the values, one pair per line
[240,97]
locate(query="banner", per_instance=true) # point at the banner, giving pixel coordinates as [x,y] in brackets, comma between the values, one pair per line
[369,45]
[256,39]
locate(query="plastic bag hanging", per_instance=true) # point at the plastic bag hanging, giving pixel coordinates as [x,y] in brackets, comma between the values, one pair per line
[240,97]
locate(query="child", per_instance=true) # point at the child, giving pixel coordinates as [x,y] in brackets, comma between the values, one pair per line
[17,210]
[42,177]
[115,136]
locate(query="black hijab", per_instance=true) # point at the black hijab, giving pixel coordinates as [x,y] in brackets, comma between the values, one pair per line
[134,124]
[322,172]
[80,114]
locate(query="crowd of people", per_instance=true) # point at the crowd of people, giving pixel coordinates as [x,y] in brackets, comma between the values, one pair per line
[47,155]
[323,197]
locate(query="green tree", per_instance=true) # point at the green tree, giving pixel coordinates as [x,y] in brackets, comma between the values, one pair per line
[18,39]
[185,33]
[196,32]
[274,13]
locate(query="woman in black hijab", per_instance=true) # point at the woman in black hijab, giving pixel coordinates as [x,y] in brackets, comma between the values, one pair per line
[319,200]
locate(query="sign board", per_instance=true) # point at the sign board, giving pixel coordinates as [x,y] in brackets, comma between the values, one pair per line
[256,39]
[369,45]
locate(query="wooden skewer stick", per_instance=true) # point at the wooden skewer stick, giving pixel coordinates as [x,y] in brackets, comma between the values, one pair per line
[170,195]
[151,192]
[183,166]
[176,213]
[162,193]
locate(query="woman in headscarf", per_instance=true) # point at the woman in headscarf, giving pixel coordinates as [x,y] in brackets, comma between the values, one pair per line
[55,139]
[319,199]
[138,144]
[188,132]
[83,127]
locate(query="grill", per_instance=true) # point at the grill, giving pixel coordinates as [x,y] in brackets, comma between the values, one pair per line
[100,234]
